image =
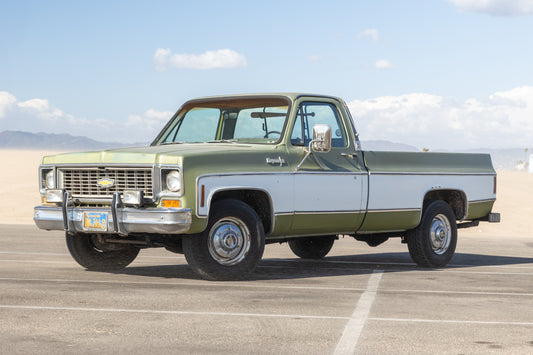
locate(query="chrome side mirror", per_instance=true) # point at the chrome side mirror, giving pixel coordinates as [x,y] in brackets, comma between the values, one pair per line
[321,142]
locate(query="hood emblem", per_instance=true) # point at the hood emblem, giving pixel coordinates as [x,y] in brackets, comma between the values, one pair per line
[105,183]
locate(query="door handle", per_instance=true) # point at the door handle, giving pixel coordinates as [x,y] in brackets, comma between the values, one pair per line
[351,155]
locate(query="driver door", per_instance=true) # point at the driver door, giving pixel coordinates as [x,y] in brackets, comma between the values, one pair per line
[328,193]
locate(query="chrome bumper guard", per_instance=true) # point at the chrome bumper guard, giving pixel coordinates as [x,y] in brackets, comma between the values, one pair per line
[120,220]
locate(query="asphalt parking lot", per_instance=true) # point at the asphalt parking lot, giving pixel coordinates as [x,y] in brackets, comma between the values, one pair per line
[357,300]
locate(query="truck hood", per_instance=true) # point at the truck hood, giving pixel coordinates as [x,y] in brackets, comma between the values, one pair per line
[162,154]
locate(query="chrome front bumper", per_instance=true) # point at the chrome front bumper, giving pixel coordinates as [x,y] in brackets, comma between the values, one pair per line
[120,220]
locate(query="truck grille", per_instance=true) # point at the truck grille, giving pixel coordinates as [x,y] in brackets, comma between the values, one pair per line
[84,182]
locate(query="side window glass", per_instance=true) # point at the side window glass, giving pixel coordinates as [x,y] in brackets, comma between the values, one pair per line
[311,113]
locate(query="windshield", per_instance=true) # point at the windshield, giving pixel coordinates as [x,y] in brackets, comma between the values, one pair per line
[253,120]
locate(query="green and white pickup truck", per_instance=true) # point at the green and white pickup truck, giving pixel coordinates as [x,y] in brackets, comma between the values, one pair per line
[229,174]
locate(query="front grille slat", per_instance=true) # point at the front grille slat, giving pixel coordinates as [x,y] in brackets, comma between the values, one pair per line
[83,183]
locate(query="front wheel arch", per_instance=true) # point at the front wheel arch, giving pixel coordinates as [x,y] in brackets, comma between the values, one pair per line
[259,200]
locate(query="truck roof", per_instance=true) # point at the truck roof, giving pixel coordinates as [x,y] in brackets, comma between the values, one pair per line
[289,95]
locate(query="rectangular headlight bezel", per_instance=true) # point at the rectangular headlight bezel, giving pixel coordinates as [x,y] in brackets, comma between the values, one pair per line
[43,172]
[164,171]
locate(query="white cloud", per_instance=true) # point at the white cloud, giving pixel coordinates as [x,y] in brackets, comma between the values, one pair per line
[383,65]
[496,7]
[41,108]
[39,115]
[6,102]
[503,119]
[222,58]
[370,33]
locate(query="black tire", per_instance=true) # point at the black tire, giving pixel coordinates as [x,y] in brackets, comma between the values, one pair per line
[95,256]
[312,247]
[433,242]
[231,245]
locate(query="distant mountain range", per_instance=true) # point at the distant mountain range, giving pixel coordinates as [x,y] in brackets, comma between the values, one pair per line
[27,140]
[505,159]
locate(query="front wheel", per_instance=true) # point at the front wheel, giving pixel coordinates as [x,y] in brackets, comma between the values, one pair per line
[231,245]
[433,242]
[312,247]
[91,252]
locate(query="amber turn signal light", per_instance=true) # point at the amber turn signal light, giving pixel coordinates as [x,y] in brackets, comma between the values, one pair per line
[171,203]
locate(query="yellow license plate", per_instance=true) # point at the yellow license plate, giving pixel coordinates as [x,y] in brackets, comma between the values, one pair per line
[95,221]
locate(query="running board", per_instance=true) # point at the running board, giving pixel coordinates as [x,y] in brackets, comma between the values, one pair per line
[468,224]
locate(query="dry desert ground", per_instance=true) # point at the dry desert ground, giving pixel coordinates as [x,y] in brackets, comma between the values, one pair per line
[19,193]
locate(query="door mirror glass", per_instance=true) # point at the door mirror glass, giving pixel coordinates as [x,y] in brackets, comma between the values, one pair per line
[321,138]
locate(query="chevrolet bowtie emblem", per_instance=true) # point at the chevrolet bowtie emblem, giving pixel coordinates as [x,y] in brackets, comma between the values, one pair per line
[105,182]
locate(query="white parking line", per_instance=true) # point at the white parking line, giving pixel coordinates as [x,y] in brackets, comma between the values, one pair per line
[30,253]
[195,284]
[476,293]
[354,327]
[455,271]
[39,261]
[417,320]
[153,311]
[251,284]
[174,256]
[350,350]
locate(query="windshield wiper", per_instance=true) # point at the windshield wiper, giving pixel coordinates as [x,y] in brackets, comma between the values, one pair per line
[223,141]
[167,143]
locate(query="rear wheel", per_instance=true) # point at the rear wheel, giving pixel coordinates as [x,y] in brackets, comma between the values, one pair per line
[231,245]
[433,242]
[312,247]
[91,252]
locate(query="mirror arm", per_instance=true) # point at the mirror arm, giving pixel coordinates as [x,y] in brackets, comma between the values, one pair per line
[310,152]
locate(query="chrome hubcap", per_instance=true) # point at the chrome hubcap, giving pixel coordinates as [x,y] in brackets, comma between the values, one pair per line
[440,234]
[229,241]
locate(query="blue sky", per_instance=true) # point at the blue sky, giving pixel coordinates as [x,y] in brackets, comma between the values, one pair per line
[432,73]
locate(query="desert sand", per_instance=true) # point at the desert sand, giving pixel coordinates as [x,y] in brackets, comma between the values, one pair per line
[19,192]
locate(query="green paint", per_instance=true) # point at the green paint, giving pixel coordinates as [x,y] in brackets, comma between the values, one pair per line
[325,223]
[390,221]
[479,209]
[416,162]
[282,225]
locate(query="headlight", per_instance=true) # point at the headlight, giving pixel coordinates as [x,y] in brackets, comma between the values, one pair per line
[49,180]
[174,181]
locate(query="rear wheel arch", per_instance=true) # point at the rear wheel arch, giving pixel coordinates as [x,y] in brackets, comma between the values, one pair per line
[456,199]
